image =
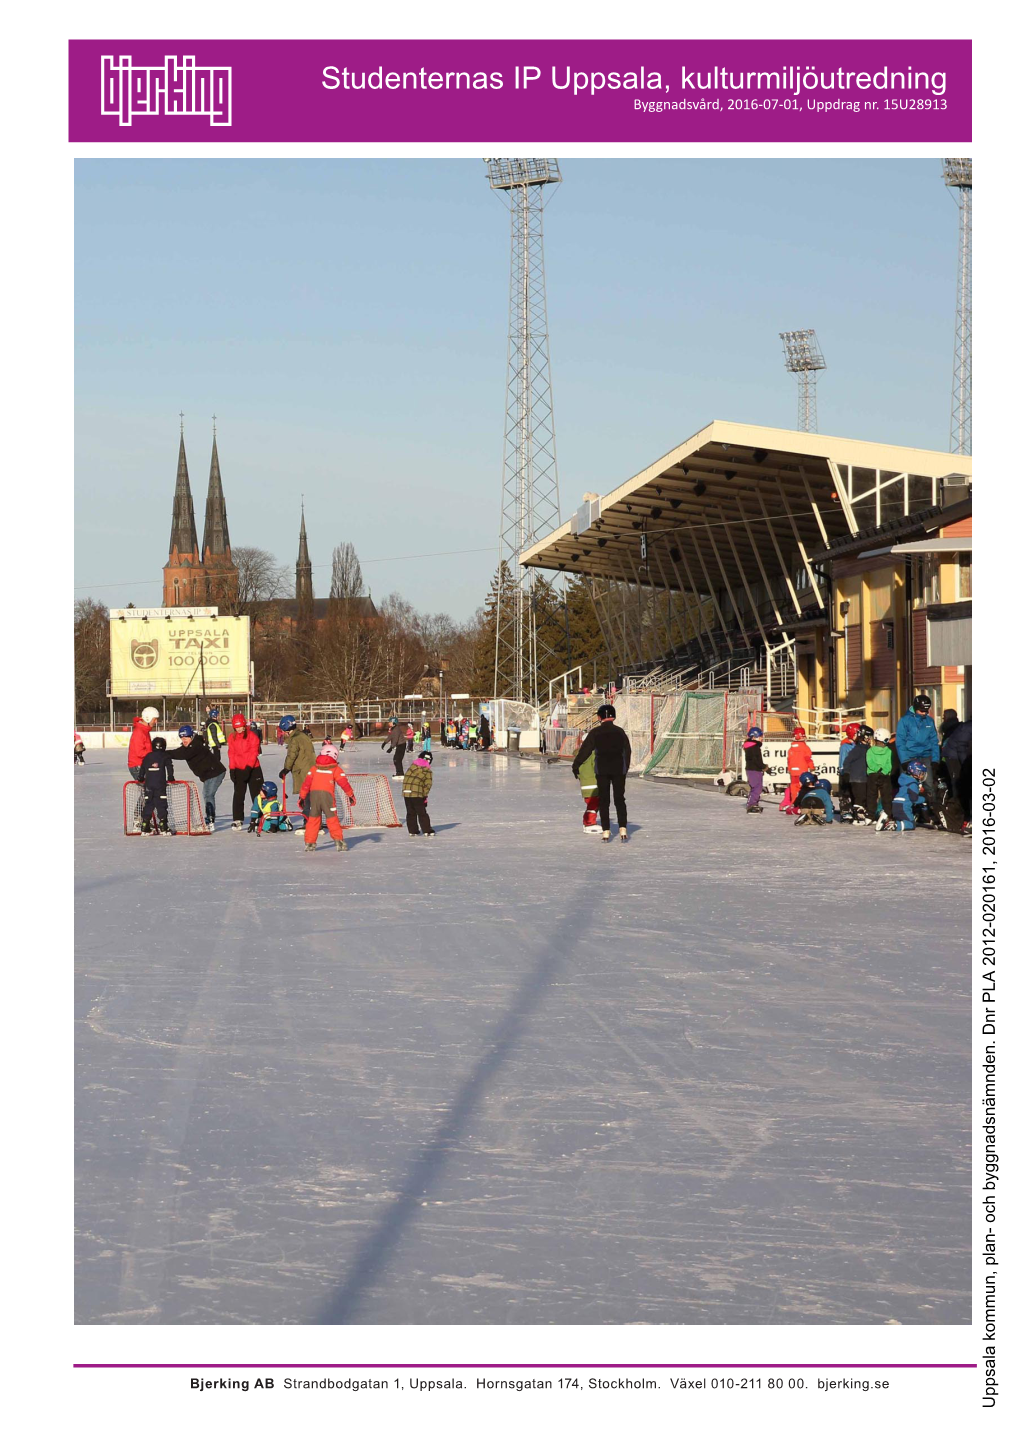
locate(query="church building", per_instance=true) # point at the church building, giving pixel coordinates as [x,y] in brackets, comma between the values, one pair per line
[195,576]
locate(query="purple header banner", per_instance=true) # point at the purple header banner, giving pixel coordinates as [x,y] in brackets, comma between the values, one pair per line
[546,91]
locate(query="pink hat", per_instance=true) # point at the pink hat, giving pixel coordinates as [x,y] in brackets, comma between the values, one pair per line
[423,760]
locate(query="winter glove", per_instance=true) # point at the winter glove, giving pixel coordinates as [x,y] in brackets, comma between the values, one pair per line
[252,825]
[282,775]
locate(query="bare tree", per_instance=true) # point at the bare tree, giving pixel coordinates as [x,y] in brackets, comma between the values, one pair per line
[260,579]
[91,655]
[346,582]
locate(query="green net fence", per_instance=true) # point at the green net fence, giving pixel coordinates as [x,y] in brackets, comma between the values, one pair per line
[700,733]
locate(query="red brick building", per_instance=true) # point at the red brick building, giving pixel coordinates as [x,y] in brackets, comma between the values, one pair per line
[193,575]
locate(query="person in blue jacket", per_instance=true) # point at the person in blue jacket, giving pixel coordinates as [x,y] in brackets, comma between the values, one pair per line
[814,800]
[908,795]
[917,739]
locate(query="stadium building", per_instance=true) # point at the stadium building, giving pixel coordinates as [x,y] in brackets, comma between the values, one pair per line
[831,574]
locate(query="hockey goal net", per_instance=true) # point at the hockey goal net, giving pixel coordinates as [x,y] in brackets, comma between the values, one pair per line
[185,812]
[373,801]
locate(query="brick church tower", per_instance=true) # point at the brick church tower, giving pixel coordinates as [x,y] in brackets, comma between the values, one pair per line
[194,577]
[183,575]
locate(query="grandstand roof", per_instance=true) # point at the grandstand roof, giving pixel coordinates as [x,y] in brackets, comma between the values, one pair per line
[734,500]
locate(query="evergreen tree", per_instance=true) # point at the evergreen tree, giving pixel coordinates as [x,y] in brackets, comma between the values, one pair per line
[587,643]
[485,646]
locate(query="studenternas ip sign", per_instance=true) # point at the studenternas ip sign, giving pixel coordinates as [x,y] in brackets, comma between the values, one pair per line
[429,91]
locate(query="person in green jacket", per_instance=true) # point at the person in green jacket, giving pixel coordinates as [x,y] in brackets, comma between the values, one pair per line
[880,785]
[590,794]
[300,757]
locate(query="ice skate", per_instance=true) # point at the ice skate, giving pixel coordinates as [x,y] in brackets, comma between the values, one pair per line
[340,844]
[145,828]
[309,845]
[623,834]
[751,809]
[803,820]
[606,836]
[237,826]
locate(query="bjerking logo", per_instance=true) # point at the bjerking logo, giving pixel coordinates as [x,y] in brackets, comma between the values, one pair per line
[177,87]
[144,654]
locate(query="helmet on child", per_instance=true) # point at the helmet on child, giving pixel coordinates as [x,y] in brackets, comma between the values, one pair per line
[606,713]
[864,733]
[328,749]
[159,743]
[882,734]
[799,733]
[809,778]
[918,770]
[287,723]
[150,715]
[214,713]
[270,789]
[186,731]
[852,728]
[823,784]
[754,733]
[922,704]
[238,722]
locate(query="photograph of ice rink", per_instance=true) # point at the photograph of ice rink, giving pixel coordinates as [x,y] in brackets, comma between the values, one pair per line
[514,1075]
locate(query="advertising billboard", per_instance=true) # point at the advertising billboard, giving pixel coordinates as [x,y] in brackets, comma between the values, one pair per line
[179,656]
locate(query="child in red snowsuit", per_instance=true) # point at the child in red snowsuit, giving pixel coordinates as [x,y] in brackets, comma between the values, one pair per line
[320,787]
[798,761]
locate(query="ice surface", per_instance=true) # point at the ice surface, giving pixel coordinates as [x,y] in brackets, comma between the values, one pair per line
[514,1075]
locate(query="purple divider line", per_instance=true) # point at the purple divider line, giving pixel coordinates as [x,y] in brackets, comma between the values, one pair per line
[536,1366]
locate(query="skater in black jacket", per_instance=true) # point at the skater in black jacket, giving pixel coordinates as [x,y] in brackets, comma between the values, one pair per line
[204,762]
[611,747]
[157,770]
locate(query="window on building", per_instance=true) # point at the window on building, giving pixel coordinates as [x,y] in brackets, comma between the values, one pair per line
[930,589]
[963,591]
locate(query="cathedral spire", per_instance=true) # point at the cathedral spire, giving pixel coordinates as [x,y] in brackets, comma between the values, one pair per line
[303,570]
[183,532]
[216,541]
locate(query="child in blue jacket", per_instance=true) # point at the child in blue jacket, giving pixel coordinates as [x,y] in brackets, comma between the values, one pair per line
[814,800]
[909,794]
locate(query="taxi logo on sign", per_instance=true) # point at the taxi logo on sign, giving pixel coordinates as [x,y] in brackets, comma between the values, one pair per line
[144,654]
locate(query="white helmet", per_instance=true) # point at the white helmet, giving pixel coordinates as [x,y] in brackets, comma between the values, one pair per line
[881,734]
[330,750]
[150,715]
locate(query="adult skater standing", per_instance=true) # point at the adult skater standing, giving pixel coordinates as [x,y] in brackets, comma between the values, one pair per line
[205,764]
[243,749]
[141,740]
[396,740]
[300,757]
[611,747]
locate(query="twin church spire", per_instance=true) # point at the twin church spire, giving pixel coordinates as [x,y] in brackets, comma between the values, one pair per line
[194,575]
[206,575]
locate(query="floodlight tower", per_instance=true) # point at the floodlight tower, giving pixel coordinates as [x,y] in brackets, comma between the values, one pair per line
[956,173]
[804,360]
[531,489]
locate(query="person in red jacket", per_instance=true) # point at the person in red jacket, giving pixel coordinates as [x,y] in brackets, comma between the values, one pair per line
[320,788]
[243,747]
[141,740]
[798,761]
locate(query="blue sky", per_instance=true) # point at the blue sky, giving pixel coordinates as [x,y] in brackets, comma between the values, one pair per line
[346,322]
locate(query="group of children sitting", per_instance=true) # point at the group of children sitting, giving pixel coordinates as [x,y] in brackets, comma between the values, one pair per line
[866,795]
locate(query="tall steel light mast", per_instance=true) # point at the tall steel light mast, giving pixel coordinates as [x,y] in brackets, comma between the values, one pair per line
[804,360]
[531,490]
[956,173]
